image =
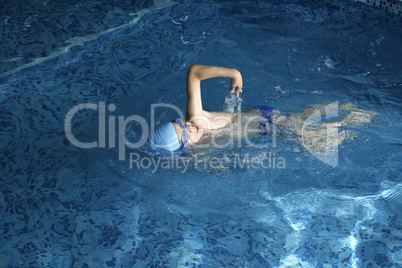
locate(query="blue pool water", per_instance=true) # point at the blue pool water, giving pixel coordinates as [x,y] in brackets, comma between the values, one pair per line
[283,205]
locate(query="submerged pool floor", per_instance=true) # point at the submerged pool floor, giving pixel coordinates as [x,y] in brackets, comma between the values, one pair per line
[297,200]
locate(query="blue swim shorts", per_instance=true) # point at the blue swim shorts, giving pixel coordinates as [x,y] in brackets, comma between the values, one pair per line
[266,126]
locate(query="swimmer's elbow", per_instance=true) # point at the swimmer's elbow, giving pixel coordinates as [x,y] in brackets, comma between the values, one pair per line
[193,71]
[194,67]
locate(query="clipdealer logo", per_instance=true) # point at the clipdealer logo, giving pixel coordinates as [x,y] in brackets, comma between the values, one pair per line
[109,125]
[112,128]
[330,155]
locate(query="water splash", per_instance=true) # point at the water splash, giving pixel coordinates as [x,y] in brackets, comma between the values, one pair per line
[233,104]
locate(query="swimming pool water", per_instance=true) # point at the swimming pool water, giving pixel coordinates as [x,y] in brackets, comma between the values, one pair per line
[277,206]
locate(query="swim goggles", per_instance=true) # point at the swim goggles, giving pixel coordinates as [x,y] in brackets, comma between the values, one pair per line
[184,136]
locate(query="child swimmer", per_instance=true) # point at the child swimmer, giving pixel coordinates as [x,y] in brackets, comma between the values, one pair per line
[180,133]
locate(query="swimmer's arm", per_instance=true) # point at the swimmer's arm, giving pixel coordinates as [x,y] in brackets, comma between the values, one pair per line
[195,74]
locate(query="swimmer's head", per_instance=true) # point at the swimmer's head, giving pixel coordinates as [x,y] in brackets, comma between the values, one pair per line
[175,135]
[165,137]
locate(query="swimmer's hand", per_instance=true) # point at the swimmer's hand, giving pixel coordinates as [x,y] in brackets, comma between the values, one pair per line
[237,83]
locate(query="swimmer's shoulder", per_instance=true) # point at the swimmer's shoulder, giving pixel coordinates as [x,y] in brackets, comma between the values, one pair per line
[221,119]
[213,120]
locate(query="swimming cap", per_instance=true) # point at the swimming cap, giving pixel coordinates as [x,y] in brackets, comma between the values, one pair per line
[165,137]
